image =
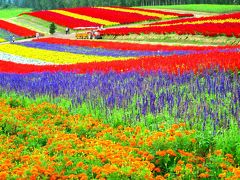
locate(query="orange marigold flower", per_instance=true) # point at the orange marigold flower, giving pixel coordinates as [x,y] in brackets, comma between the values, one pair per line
[171,152]
[193,140]
[149,143]
[218,152]
[180,162]
[171,138]
[79,164]
[200,165]
[159,177]
[157,169]
[178,134]
[167,175]
[223,165]
[150,157]
[161,153]
[178,169]
[222,175]
[189,166]
[182,124]
[203,175]
[69,163]
[229,155]
[175,126]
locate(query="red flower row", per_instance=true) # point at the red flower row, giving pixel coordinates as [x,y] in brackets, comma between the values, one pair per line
[160,12]
[62,20]
[207,29]
[189,20]
[125,46]
[114,16]
[170,64]
[17,30]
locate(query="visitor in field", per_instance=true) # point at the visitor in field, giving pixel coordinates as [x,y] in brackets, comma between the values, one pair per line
[67,30]
[13,38]
[37,35]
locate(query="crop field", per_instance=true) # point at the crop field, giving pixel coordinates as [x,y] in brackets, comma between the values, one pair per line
[211,8]
[12,12]
[226,24]
[109,109]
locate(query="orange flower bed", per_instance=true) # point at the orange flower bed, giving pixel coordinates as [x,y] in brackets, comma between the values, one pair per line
[46,141]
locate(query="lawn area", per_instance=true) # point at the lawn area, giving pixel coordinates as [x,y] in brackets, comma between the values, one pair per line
[212,8]
[12,12]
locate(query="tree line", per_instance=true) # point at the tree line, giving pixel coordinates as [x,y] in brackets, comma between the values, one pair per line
[52,4]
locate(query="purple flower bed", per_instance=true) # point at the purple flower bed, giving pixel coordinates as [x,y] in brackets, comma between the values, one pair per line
[210,99]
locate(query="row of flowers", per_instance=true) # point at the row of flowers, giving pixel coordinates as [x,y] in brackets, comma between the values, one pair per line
[89,17]
[84,17]
[110,15]
[217,18]
[126,46]
[16,29]
[62,20]
[55,57]
[170,64]
[2,40]
[108,52]
[206,29]
[32,137]
[228,24]
[160,12]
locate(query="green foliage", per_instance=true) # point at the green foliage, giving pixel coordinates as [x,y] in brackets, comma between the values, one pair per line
[12,12]
[52,28]
[210,8]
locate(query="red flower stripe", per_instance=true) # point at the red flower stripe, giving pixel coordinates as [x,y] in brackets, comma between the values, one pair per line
[114,16]
[218,17]
[124,46]
[158,11]
[170,64]
[17,30]
[62,20]
[207,29]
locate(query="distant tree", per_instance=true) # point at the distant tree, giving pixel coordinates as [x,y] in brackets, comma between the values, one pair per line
[52,28]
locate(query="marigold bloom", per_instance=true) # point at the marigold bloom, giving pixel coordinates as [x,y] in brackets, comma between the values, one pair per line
[178,169]
[203,175]
[218,152]
[161,153]
[229,155]
[69,163]
[222,175]
[189,166]
[180,162]
[159,177]
[171,152]
[171,138]
[157,169]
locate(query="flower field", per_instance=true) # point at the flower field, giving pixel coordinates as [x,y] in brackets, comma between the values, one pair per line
[55,54]
[95,109]
[97,16]
[228,25]
[15,29]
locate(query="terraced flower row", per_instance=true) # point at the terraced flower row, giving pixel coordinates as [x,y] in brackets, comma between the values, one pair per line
[107,16]
[16,29]
[53,54]
[228,25]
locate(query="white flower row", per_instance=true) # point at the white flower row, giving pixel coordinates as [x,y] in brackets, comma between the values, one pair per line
[22,60]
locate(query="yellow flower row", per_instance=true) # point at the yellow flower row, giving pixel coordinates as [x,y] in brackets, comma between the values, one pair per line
[2,40]
[162,16]
[55,56]
[86,18]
